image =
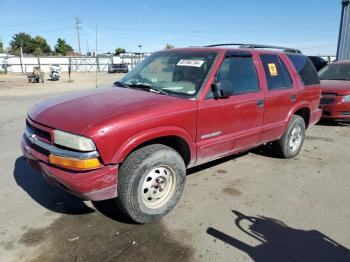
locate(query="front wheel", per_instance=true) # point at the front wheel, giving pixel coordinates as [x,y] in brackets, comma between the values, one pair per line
[151,181]
[289,145]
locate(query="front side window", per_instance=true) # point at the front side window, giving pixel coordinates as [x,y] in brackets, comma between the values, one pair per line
[276,72]
[173,73]
[238,74]
[335,72]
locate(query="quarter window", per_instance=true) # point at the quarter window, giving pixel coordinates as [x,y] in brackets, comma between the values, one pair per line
[305,68]
[276,72]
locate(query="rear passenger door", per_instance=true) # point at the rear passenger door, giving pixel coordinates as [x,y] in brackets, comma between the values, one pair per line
[280,95]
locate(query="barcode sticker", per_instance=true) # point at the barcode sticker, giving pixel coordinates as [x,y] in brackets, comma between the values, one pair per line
[190,62]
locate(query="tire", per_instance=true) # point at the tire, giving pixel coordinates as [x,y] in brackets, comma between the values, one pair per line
[151,181]
[285,147]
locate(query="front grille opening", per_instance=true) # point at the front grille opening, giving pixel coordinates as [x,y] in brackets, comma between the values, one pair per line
[329,94]
[327,113]
[345,113]
[327,100]
[39,132]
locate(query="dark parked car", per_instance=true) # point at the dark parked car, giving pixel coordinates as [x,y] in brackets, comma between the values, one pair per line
[118,68]
[318,62]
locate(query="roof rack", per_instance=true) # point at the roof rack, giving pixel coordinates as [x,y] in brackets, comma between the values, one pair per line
[240,45]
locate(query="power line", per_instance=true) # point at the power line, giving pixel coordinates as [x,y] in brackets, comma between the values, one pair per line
[315,47]
[40,31]
[34,22]
[158,30]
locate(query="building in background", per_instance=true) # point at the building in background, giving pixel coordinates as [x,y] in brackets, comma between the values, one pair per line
[343,51]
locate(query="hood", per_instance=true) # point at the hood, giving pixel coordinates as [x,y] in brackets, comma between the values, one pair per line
[79,111]
[339,87]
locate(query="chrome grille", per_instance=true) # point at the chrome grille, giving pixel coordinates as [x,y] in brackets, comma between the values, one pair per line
[39,132]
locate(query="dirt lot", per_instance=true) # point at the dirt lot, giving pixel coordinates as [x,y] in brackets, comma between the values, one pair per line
[14,84]
[243,208]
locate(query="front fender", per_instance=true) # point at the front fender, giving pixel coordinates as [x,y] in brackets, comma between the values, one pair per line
[129,145]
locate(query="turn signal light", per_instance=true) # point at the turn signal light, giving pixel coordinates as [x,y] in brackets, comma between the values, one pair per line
[74,163]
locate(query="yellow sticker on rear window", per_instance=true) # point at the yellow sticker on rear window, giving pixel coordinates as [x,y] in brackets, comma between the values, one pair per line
[272,69]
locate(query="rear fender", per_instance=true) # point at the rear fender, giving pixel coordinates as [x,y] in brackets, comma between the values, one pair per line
[295,108]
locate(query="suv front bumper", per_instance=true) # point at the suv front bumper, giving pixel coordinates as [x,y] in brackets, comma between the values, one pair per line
[98,184]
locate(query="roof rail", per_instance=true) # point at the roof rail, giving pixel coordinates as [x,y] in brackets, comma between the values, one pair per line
[240,45]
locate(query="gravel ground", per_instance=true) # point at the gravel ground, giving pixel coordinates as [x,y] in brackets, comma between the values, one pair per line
[250,207]
[14,84]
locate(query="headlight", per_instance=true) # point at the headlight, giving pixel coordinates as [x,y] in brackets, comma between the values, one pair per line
[73,141]
[346,99]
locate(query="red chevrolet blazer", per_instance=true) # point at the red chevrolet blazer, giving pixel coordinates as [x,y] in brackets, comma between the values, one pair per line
[177,109]
[335,85]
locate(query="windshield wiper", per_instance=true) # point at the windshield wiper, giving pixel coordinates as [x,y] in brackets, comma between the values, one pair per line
[148,87]
[142,86]
[122,84]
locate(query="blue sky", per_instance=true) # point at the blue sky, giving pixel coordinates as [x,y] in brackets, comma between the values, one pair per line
[310,25]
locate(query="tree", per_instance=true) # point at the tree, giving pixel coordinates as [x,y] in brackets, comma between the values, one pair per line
[1,46]
[119,51]
[38,52]
[40,43]
[169,46]
[29,45]
[21,40]
[62,47]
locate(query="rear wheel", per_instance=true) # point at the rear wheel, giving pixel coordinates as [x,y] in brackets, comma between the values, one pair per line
[289,145]
[151,181]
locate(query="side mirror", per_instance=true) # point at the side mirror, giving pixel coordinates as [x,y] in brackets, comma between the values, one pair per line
[222,89]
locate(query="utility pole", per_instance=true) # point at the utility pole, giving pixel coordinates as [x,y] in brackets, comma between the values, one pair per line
[78,22]
[96,41]
[97,66]
[140,46]
[21,58]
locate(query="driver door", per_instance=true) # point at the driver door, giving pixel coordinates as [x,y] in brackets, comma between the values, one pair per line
[231,124]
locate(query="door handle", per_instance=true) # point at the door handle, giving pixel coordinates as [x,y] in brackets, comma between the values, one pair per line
[260,103]
[293,98]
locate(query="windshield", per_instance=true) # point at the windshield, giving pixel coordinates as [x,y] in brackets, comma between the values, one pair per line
[335,72]
[173,73]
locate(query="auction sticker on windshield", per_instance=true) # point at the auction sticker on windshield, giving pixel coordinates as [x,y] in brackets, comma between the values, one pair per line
[190,62]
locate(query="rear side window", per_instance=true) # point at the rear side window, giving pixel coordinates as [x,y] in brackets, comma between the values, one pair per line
[239,74]
[277,75]
[305,68]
